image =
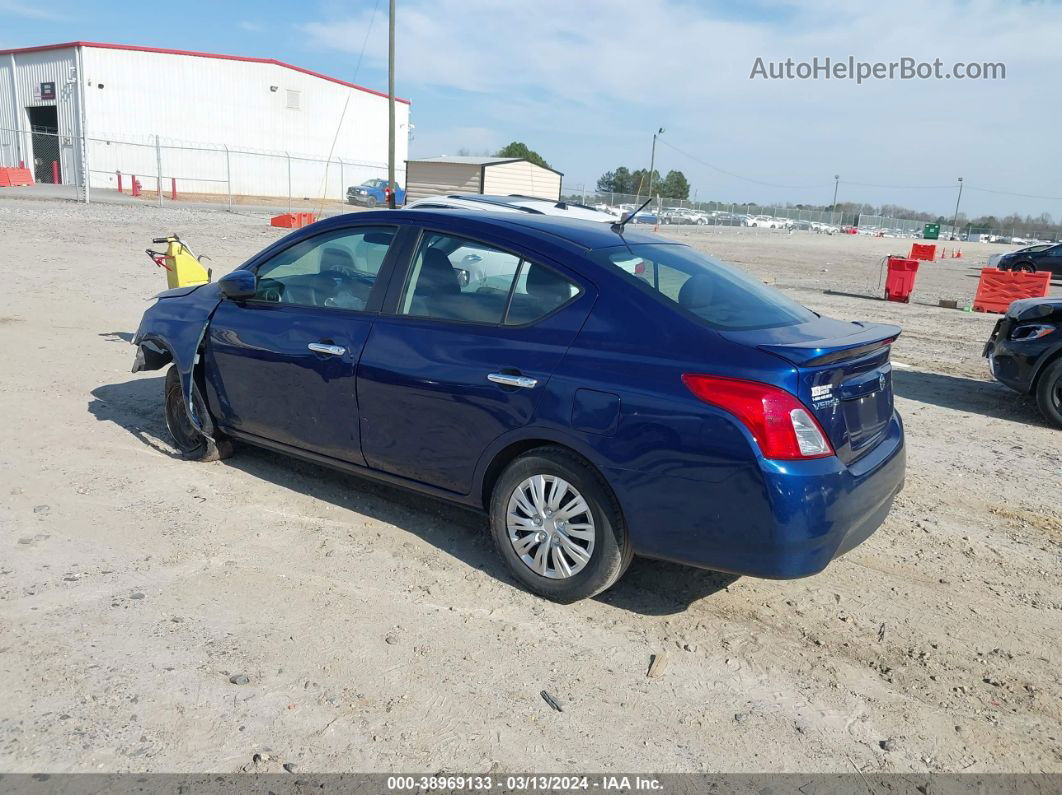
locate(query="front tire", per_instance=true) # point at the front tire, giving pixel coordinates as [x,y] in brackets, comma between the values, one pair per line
[1025,267]
[192,443]
[558,526]
[370,202]
[1049,393]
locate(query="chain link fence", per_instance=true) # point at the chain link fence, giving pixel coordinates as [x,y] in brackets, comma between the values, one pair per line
[164,169]
[167,169]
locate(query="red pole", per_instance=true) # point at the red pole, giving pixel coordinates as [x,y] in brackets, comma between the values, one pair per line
[173,188]
[55,172]
[135,186]
[119,173]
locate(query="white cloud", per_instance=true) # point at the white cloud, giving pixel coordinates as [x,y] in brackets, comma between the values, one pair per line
[251,27]
[593,78]
[28,11]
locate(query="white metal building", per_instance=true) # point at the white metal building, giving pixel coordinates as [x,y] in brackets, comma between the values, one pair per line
[503,176]
[215,123]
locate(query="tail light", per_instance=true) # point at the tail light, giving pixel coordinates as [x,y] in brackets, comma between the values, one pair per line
[781,425]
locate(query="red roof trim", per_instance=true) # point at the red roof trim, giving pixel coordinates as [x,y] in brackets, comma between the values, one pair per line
[197,54]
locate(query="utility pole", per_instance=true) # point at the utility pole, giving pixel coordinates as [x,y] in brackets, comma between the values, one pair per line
[652,161]
[955,218]
[391,106]
[836,182]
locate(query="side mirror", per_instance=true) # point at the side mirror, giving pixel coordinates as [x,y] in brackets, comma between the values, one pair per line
[238,285]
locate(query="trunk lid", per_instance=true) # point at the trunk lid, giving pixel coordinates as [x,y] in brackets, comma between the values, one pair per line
[843,375]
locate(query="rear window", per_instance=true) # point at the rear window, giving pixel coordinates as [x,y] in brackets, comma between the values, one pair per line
[723,297]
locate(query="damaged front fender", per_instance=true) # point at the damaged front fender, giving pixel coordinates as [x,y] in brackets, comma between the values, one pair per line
[173,330]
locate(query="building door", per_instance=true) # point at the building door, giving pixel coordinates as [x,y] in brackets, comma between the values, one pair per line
[44,138]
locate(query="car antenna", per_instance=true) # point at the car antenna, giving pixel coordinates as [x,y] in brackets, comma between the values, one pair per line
[617,226]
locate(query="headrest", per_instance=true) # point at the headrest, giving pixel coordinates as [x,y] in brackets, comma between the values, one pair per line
[697,292]
[547,285]
[336,259]
[437,275]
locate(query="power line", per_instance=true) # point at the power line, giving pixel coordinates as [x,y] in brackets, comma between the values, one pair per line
[854,184]
[346,103]
[1021,195]
[739,176]
[898,187]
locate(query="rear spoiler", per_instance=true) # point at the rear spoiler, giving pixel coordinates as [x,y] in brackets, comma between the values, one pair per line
[851,346]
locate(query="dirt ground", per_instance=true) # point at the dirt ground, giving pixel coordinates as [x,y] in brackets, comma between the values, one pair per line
[378,632]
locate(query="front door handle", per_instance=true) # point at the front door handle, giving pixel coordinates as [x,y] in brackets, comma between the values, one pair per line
[325,348]
[508,379]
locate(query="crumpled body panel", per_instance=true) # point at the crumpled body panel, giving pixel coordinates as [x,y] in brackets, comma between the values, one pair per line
[173,330]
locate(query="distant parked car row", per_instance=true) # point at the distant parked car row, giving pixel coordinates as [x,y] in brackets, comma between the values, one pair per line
[372,193]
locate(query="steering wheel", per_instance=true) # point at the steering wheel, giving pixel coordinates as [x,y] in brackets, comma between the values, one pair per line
[271,290]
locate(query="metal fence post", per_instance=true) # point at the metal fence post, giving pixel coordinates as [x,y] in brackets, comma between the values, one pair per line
[79,72]
[289,180]
[158,166]
[228,177]
[342,178]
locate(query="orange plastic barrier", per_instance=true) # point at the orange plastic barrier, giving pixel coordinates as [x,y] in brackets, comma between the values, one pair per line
[927,252]
[997,289]
[15,176]
[292,220]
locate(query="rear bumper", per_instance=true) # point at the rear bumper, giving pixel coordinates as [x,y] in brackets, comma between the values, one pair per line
[782,520]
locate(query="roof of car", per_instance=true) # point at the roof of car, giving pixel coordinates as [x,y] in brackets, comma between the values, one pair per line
[584,234]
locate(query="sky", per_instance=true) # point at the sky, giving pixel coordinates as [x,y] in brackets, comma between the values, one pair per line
[587,82]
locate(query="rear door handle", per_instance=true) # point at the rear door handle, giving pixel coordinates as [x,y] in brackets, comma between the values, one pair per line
[325,348]
[508,379]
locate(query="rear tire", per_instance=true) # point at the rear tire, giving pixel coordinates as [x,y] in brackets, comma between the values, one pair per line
[599,530]
[1049,393]
[192,443]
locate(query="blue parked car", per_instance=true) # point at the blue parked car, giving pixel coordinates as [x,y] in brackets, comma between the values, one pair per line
[599,393]
[373,192]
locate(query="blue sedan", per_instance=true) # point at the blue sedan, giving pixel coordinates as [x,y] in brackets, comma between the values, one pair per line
[598,391]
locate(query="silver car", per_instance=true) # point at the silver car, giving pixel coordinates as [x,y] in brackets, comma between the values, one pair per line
[482,266]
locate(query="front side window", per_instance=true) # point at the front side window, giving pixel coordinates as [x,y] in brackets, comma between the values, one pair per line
[337,269]
[453,278]
[723,297]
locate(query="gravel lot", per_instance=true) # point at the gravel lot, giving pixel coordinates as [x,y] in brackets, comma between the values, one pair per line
[377,631]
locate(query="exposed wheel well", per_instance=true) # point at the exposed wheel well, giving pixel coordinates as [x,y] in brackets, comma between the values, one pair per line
[509,454]
[157,354]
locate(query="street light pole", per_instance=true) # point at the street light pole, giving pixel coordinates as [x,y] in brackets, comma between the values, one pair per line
[391,106]
[955,218]
[836,182]
[652,161]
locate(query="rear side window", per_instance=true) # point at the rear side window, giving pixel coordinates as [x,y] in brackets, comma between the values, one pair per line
[723,297]
[453,278]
